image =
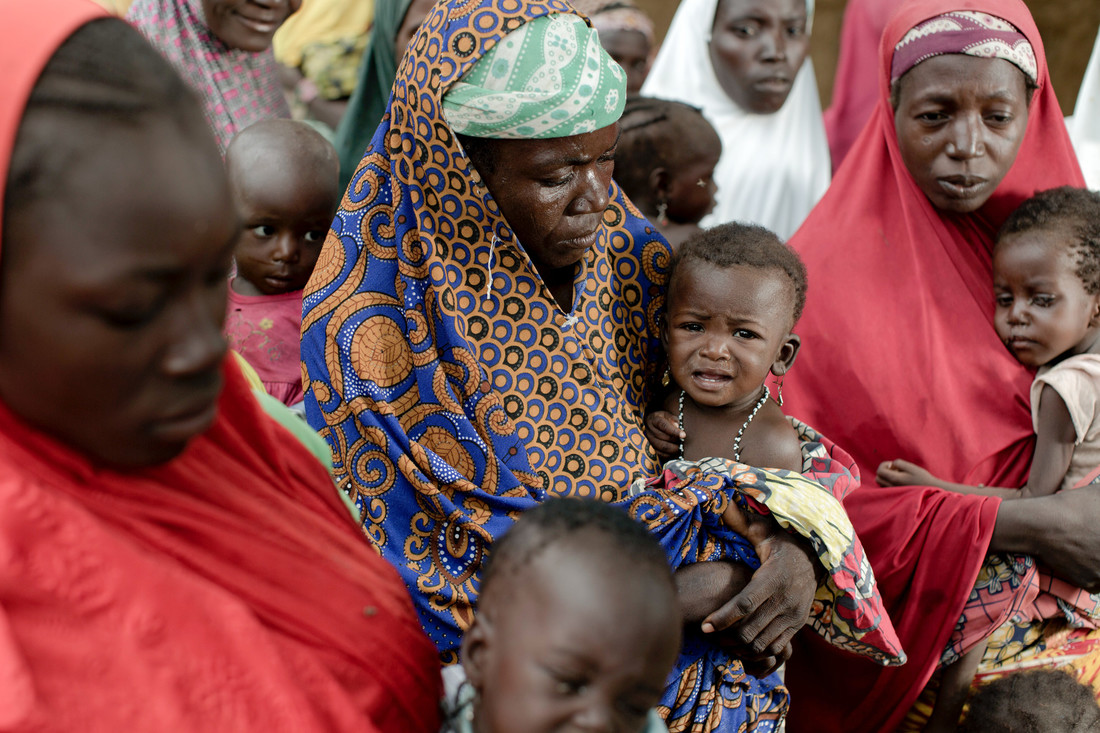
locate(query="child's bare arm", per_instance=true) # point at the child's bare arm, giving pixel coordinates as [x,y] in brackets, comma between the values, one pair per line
[1055,438]
[903,473]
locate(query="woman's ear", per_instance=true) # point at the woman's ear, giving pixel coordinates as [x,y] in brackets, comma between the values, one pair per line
[784,360]
[476,643]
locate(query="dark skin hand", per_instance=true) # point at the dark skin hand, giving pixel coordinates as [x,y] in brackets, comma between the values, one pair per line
[1053,452]
[1060,530]
[663,433]
[755,614]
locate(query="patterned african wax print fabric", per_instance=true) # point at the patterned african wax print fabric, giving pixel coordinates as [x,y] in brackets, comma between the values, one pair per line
[237,87]
[548,78]
[683,508]
[454,392]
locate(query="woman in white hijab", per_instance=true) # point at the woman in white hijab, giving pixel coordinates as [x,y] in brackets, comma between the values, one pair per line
[744,63]
[1084,125]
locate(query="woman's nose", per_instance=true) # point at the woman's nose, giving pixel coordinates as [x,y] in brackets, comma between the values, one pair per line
[595,193]
[966,138]
[773,45]
[197,343]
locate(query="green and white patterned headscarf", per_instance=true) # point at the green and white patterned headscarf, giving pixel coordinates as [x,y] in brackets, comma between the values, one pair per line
[548,78]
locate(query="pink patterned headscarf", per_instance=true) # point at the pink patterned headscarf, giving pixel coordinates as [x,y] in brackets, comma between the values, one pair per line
[237,87]
[966,32]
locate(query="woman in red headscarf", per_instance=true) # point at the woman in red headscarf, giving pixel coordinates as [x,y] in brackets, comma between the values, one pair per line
[900,358]
[170,558]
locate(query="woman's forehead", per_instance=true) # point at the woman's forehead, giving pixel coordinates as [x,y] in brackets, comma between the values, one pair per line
[145,197]
[946,77]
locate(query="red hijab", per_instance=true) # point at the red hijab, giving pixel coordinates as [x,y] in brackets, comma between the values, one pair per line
[900,360]
[228,589]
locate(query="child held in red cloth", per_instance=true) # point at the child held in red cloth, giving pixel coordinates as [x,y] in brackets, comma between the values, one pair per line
[1046,282]
[285,180]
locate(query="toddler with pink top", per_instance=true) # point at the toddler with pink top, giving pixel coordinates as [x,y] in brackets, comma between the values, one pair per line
[284,177]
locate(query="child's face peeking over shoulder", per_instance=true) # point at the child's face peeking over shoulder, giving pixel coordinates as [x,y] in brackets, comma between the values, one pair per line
[1042,312]
[286,199]
[285,223]
[577,640]
[726,329]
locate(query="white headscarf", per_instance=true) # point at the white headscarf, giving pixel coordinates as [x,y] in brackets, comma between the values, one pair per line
[773,167]
[1084,126]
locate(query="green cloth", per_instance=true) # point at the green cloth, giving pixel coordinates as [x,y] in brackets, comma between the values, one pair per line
[372,91]
[297,427]
[548,78]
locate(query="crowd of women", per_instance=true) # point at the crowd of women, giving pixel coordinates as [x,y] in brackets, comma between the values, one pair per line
[484,333]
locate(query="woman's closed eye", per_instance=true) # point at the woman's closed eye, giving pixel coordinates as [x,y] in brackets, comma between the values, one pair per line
[131,317]
[570,685]
[558,180]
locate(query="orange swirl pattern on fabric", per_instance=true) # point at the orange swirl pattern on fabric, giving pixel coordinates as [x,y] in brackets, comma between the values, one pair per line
[452,388]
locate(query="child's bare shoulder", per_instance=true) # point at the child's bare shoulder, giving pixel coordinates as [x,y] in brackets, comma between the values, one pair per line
[778,445]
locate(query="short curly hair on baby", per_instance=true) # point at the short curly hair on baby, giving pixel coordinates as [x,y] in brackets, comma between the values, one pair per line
[559,520]
[1039,701]
[1075,211]
[739,243]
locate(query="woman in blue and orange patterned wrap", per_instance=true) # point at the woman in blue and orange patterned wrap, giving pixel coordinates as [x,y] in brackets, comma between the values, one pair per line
[461,377]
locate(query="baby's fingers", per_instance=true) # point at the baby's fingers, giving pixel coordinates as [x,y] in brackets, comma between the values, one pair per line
[663,432]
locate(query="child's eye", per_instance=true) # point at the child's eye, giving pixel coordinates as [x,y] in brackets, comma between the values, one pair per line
[316,236]
[1003,301]
[1043,301]
[264,230]
[692,327]
[744,334]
